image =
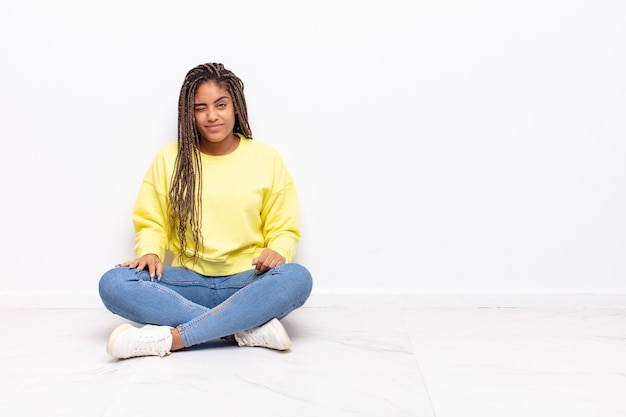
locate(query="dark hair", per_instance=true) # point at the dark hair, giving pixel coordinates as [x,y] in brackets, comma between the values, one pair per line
[185,193]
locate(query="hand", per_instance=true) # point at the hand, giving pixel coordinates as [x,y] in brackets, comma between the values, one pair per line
[152,261]
[267,260]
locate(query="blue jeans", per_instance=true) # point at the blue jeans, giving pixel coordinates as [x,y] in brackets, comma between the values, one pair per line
[205,308]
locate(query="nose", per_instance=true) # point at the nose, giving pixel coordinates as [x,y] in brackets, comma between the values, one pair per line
[211,114]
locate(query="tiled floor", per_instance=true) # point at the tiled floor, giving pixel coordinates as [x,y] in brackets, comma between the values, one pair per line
[443,362]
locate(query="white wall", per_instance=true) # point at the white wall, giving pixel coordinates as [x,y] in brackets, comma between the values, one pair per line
[438,146]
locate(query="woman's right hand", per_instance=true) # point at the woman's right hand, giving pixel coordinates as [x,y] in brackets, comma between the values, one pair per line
[152,261]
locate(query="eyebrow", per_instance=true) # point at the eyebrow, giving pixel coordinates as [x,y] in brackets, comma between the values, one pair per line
[204,104]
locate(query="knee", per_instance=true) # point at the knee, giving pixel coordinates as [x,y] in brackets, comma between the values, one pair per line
[110,283]
[301,278]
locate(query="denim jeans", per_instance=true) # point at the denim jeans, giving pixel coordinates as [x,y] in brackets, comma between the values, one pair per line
[205,308]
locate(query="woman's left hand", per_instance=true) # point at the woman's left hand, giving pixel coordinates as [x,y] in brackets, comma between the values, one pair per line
[267,260]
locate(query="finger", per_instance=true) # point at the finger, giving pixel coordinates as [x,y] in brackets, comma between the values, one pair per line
[130,264]
[262,258]
[151,269]
[279,260]
[141,265]
[260,268]
[267,266]
[258,264]
[159,270]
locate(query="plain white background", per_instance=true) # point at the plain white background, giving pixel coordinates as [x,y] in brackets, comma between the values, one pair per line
[437,146]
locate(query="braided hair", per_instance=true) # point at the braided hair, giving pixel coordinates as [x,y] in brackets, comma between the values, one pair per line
[185,193]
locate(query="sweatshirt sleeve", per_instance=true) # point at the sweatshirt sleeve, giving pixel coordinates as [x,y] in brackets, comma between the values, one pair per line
[150,212]
[280,214]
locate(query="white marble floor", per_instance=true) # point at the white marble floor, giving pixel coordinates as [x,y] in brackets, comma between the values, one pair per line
[443,362]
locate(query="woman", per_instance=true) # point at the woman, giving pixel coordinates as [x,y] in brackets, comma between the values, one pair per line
[226,207]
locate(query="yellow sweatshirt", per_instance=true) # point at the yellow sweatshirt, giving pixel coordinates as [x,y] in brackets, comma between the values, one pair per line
[249,203]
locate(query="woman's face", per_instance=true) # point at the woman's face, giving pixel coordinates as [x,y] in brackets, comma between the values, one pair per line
[215,118]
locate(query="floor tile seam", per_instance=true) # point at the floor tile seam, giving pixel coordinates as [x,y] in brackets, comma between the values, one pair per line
[122,387]
[351,307]
[603,338]
[417,363]
[426,373]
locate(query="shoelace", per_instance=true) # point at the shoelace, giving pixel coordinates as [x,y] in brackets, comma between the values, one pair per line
[148,344]
[258,336]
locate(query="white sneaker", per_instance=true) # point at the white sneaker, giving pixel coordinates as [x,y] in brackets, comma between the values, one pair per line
[127,341]
[270,335]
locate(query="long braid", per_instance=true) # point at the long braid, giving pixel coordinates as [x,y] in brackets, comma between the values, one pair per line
[185,193]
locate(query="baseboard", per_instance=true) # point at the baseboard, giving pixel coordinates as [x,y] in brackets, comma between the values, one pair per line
[351,299]
[470,300]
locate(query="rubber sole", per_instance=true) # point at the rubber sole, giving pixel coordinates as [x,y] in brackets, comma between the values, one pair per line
[282,333]
[114,335]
